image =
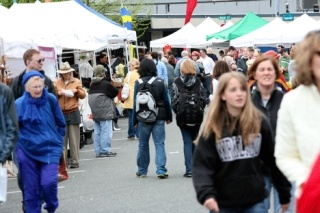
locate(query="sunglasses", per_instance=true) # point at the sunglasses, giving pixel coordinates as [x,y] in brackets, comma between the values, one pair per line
[40,60]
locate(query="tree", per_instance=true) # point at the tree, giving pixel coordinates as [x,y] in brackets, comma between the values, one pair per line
[111,9]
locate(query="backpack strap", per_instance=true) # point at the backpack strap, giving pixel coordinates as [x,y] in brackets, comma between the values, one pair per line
[152,80]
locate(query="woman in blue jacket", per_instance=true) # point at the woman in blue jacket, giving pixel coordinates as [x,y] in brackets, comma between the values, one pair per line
[40,143]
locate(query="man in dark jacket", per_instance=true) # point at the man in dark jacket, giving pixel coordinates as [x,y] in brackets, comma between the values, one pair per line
[33,61]
[8,123]
[101,94]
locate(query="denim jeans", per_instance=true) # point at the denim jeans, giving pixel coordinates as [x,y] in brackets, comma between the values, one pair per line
[132,131]
[207,84]
[188,136]
[102,136]
[158,136]
[255,208]
[275,195]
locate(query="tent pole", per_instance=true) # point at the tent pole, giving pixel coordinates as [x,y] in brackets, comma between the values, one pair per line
[109,60]
[137,50]
[127,55]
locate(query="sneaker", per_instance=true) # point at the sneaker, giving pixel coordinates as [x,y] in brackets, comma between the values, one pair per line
[110,154]
[141,175]
[101,155]
[187,175]
[163,176]
[116,127]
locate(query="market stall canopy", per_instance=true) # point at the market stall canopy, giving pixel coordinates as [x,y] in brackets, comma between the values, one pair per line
[247,24]
[3,9]
[62,22]
[270,33]
[299,28]
[197,38]
[176,39]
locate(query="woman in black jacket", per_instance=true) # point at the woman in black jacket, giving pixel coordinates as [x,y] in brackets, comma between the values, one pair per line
[267,96]
[227,171]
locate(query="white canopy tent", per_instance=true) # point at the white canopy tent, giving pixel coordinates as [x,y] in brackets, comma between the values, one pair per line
[197,37]
[176,39]
[266,34]
[215,42]
[298,29]
[64,23]
[61,25]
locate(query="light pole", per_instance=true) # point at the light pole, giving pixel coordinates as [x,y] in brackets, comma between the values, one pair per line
[276,8]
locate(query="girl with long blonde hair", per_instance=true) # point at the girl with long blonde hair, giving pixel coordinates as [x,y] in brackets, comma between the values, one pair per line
[227,169]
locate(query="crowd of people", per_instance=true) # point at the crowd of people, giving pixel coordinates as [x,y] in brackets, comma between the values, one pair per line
[257,135]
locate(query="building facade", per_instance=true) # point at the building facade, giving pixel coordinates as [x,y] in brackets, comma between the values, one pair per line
[167,16]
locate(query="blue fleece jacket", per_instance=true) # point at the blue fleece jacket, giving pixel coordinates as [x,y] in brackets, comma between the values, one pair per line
[42,141]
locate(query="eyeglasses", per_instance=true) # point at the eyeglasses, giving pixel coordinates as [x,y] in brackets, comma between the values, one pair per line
[40,60]
[37,87]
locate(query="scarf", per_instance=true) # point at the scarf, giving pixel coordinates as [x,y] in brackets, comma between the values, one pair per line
[188,80]
[32,113]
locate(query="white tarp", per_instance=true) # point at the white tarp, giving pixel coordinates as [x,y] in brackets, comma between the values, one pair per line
[177,38]
[298,29]
[60,24]
[266,34]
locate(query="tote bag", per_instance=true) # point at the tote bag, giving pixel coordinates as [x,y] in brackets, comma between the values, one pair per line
[125,92]
[3,184]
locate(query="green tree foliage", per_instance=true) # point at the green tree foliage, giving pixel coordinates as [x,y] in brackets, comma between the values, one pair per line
[111,9]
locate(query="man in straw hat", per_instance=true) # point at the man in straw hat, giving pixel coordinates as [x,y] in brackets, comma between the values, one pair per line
[69,90]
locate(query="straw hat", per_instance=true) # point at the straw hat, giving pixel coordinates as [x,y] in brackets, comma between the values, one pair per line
[65,68]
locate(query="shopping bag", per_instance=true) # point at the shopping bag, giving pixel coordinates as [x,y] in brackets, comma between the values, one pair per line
[125,92]
[63,173]
[3,184]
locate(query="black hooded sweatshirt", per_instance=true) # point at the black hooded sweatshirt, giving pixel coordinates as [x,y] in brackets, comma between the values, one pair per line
[232,174]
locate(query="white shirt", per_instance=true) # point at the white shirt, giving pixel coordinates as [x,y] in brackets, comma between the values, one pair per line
[208,65]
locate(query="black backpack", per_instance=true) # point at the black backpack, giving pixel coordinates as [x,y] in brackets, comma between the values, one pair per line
[190,108]
[146,106]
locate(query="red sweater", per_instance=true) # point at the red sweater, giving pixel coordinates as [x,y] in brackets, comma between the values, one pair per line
[309,201]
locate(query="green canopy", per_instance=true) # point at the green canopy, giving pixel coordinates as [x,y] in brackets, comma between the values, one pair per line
[247,24]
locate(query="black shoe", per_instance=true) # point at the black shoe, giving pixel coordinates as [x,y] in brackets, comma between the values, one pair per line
[141,175]
[74,166]
[109,154]
[163,176]
[187,175]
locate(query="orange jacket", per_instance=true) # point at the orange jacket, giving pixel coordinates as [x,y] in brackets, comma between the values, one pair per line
[69,104]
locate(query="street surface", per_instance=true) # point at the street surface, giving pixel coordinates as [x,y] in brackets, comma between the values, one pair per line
[109,184]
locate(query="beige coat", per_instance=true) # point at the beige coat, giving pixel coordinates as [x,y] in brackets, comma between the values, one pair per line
[134,75]
[69,104]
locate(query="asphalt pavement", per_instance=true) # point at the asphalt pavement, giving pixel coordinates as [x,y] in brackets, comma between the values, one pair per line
[110,185]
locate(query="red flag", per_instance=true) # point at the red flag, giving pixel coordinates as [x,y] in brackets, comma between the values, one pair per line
[191,4]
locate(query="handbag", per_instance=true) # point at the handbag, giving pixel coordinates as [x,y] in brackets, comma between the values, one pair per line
[62,173]
[3,184]
[125,92]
